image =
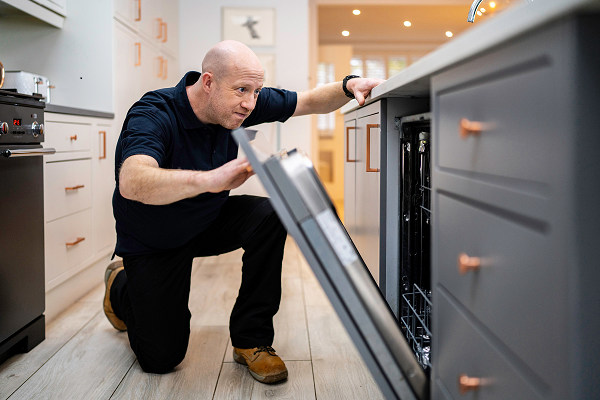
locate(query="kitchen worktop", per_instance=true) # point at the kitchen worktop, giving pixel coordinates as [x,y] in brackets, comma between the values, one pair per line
[415,81]
[53,108]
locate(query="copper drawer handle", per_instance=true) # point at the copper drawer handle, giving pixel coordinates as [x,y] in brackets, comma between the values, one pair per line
[139,10]
[74,188]
[466,263]
[165,35]
[160,28]
[467,384]
[348,144]
[166,72]
[369,126]
[139,54]
[160,71]
[467,128]
[103,156]
[74,137]
[79,240]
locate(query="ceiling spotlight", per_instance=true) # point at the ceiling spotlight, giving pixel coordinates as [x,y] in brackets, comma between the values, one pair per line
[482,9]
[356,12]
[345,33]
[407,23]
[479,13]
[448,33]
[492,4]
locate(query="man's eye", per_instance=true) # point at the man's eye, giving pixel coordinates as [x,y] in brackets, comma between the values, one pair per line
[257,92]
[241,90]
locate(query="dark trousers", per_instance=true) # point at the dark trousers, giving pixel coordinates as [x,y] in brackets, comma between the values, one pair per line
[152,296]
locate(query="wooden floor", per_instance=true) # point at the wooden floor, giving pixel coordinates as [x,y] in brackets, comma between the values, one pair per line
[83,357]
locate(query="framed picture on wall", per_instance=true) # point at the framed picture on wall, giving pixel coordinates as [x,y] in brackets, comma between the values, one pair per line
[267,61]
[251,26]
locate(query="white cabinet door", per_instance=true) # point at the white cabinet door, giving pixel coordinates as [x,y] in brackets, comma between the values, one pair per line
[170,33]
[127,70]
[153,67]
[128,12]
[103,157]
[151,18]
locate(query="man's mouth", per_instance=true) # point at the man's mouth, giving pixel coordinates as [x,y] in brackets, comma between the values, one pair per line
[241,115]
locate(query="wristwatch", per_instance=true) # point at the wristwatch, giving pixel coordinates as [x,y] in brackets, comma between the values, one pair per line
[345,81]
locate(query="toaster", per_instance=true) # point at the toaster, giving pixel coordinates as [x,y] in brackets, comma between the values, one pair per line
[27,83]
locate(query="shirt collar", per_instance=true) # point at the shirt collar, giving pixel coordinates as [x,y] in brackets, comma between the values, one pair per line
[184,108]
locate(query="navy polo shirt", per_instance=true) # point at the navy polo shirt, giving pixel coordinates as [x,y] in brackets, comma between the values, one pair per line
[163,125]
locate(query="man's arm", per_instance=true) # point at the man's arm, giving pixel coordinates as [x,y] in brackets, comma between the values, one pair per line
[330,97]
[141,179]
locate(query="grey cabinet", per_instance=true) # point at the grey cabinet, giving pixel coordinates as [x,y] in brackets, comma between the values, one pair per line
[516,184]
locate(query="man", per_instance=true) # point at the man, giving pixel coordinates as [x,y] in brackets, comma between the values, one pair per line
[175,164]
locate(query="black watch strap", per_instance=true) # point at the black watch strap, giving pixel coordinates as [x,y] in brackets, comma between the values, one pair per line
[345,81]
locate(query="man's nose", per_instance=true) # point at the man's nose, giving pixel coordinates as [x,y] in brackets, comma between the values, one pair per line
[249,102]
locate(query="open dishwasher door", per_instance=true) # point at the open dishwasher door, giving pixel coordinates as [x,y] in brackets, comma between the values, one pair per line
[308,214]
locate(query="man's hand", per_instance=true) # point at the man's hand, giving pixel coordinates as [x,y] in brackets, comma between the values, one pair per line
[330,97]
[361,87]
[229,176]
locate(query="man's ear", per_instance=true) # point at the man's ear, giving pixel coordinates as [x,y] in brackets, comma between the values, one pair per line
[208,81]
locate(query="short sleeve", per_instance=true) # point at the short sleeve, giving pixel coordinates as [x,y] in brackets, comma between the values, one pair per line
[145,132]
[272,105]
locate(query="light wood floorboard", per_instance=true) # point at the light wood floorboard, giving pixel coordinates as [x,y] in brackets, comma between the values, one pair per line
[338,369]
[214,290]
[84,357]
[195,378]
[235,383]
[17,369]
[89,366]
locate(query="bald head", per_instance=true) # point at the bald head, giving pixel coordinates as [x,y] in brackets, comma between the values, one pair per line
[229,57]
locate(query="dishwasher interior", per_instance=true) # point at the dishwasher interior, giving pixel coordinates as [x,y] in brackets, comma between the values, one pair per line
[415,235]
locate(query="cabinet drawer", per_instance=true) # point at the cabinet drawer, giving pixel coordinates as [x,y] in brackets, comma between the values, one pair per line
[66,136]
[521,118]
[518,290]
[67,187]
[60,257]
[462,350]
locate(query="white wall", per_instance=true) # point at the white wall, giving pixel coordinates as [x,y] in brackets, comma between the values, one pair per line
[200,29]
[77,58]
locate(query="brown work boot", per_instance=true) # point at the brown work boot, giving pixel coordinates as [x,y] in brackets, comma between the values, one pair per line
[109,276]
[264,365]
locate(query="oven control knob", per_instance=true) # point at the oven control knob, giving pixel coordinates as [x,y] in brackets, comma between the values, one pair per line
[37,129]
[3,128]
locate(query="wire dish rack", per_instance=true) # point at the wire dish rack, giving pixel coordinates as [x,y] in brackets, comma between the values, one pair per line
[417,324]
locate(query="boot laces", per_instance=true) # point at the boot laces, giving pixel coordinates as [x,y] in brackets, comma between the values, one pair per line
[267,349]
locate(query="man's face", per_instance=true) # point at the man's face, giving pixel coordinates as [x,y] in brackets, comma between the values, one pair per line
[234,96]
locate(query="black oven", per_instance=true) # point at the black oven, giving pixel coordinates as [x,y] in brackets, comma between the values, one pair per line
[22,286]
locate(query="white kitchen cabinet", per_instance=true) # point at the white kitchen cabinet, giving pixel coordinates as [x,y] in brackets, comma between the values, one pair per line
[78,187]
[145,51]
[154,20]
[51,12]
[58,6]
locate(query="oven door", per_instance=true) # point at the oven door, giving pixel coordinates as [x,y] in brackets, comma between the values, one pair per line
[22,291]
[306,211]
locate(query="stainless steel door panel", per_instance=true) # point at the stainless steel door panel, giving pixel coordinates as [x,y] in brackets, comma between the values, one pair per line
[350,177]
[367,191]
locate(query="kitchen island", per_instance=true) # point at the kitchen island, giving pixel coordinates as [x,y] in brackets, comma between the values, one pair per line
[515,190]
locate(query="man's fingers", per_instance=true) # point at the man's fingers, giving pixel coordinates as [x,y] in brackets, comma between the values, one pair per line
[359,97]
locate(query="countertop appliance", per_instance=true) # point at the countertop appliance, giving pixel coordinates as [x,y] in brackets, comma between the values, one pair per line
[308,214]
[22,290]
[28,83]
